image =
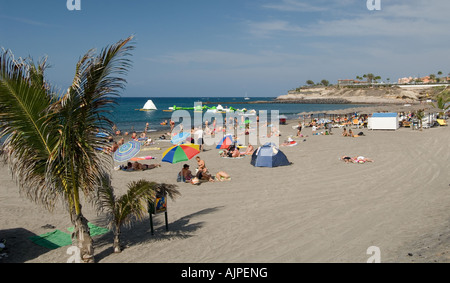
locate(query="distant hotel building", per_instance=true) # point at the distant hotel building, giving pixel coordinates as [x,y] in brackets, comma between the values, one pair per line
[350,82]
[423,80]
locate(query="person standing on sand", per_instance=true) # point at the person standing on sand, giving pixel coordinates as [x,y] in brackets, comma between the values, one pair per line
[199,138]
[299,129]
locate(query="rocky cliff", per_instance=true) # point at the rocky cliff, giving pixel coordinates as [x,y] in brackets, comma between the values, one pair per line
[363,95]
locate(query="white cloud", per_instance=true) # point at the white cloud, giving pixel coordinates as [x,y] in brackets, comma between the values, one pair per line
[267,28]
[294,6]
[25,21]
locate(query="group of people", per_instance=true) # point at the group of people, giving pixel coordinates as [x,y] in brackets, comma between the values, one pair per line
[350,133]
[233,151]
[202,174]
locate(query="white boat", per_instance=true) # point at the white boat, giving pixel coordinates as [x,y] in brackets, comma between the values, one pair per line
[246,97]
[148,106]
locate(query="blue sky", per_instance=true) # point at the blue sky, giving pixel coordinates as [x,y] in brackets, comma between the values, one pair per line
[233,47]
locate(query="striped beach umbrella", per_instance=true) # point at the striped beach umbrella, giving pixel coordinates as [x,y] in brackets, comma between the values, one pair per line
[179,153]
[127,151]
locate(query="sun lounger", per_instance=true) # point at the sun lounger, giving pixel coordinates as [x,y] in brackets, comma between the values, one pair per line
[442,122]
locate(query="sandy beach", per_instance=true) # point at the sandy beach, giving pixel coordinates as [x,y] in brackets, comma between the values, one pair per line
[319,209]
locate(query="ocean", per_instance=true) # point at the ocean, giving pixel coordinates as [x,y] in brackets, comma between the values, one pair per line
[127,117]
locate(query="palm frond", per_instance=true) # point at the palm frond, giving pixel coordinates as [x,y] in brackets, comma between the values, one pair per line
[81,112]
[29,134]
[133,205]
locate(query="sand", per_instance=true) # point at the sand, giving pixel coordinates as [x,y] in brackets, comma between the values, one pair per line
[319,209]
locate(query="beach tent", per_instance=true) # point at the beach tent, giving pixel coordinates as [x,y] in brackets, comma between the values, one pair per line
[225,142]
[283,119]
[383,121]
[269,155]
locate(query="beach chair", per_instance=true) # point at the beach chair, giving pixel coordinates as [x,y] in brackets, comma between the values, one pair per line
[355,123]
[442,122]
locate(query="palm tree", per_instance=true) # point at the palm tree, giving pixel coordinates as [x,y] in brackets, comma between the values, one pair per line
[442,102]
[50,139]
[432,77]
[123,210]
[420,114]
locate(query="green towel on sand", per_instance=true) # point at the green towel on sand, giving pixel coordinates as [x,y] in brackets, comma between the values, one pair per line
[52,240]
[57,238]
[94,230]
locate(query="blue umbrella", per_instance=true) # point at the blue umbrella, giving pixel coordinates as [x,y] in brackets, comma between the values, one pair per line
[127,151]
[181,137]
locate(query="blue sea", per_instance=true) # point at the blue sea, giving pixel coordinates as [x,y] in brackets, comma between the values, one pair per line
[127,117]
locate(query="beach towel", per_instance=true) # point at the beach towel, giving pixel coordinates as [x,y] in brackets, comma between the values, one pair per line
[142,158]
[52,240]
[93,230]
[150,148]
[227,157]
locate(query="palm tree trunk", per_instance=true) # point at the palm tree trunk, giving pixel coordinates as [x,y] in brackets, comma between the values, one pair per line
[116,245]
[82,238]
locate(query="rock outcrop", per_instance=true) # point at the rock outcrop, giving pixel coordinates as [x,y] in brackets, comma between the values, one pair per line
[359,95]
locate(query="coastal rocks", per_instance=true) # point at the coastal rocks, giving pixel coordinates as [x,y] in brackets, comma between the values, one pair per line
[340,95]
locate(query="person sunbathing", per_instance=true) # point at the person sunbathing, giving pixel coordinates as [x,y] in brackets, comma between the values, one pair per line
[200,163]
[347,159]
[356,159]
[249,151]
[361,159]
[203,174]
[136,166]
[186,173]
[289,142]
[222,176]
[224,153]
[344,133]
[236,152]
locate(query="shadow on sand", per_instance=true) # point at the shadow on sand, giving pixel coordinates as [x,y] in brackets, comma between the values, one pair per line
[140,232]
[19,247]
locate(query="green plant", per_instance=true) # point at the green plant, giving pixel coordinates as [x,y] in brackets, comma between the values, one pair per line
[132,205]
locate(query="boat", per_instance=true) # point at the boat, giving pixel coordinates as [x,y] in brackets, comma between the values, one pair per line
[148,106]
[246,97]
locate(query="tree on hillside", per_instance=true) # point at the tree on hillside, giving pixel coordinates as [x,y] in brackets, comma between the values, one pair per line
[310,82]
[432,77]
[50,140]
[370,77]
[325,82]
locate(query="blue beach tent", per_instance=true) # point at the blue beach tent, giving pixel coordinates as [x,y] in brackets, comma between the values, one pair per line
[269,155]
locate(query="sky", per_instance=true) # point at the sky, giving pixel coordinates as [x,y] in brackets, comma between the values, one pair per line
[213,48]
